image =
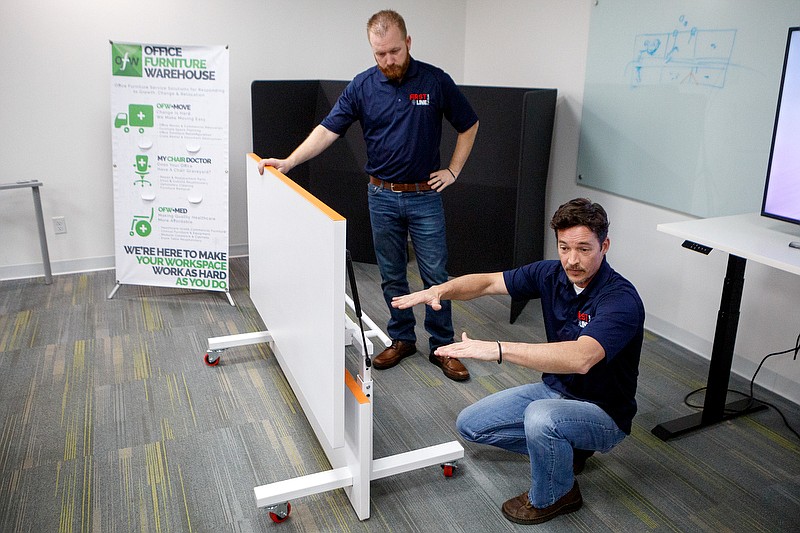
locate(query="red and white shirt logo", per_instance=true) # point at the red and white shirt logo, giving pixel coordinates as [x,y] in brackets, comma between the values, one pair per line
[420,99]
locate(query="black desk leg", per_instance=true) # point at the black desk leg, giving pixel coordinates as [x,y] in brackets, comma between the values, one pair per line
[714,408]
[516,309]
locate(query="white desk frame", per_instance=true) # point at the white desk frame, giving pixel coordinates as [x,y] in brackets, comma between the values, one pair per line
[37,205]
[748,236]
[353,465]
[291,232]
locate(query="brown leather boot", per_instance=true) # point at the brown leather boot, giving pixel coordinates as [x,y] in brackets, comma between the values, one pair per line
[520,511]
[393,354]
[452,368]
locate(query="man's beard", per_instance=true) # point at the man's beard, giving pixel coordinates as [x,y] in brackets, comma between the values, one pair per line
[396,72]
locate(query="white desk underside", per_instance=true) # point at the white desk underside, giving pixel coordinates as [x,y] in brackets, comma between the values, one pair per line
[297,262]
[297,283]
[749,236]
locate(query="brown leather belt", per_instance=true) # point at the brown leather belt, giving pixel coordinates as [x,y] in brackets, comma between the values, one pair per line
[400,187]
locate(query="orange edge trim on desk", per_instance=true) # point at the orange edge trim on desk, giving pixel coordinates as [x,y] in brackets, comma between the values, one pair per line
[351,383]
[322,206]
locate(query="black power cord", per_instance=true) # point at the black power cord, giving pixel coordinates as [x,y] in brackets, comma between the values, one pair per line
[751,396]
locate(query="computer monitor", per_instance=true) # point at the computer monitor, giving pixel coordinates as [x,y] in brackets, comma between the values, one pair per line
[782,188]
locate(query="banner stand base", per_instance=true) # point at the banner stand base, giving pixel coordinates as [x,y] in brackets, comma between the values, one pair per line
[113,291]
[118,285]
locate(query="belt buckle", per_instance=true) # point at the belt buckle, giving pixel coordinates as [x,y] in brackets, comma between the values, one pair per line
[391,187]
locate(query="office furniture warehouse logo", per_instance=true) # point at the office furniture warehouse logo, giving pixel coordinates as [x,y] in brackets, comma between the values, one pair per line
[126,60]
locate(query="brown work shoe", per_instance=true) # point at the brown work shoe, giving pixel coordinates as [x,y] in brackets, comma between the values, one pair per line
[579,458]
[452,368]
[520,511]
[393,354]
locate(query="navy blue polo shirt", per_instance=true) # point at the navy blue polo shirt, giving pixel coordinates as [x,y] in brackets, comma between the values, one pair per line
[610,311]
[402,123]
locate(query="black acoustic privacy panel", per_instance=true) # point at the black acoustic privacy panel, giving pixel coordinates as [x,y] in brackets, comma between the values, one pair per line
[495,212]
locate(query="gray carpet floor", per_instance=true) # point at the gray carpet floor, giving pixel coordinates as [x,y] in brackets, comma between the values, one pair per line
[111,422]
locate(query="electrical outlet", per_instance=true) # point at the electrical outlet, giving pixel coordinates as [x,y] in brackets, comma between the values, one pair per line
[60,225]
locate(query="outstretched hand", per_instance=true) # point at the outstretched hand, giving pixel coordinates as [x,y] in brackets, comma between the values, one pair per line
[469,349]
[428,297]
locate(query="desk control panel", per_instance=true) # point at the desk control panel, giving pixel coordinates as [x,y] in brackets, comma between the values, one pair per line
[697,247]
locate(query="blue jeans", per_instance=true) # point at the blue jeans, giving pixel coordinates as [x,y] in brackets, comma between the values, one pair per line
[539,422]
[394,216]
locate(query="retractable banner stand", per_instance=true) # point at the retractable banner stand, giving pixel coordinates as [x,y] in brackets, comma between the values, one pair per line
[169,130]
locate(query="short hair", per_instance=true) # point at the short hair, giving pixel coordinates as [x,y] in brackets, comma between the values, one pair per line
[581,212]
[380,22]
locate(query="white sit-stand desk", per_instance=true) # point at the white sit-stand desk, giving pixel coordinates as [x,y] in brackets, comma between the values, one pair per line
[748,236]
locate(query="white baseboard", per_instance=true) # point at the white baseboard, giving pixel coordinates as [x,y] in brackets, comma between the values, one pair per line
[741,366]
[66,266]
[86,264]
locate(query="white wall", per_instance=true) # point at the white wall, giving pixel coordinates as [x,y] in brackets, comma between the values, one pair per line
[541,43]
[55,115]
[55,89]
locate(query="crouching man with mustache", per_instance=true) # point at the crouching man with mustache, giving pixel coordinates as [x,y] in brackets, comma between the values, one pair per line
[594,321]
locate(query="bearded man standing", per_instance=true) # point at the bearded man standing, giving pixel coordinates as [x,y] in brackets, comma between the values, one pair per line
[400,103]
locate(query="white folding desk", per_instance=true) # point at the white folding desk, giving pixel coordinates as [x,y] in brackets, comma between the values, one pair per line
[297,284]
[748,236]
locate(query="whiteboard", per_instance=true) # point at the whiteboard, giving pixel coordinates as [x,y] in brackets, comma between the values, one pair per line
[679,101]
[297,284]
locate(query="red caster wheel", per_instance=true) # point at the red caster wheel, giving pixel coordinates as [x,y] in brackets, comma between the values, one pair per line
[212,358]
[280,513]
[448,469]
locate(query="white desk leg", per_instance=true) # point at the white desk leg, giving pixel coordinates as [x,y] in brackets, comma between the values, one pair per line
[217,345]
[439,454]
[353,467]
[358,444]
[297,487]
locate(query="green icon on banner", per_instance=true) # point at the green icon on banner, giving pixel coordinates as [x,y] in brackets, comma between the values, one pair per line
[141,224]
[126,60]
[142,169]
[138,116]
[142,164]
